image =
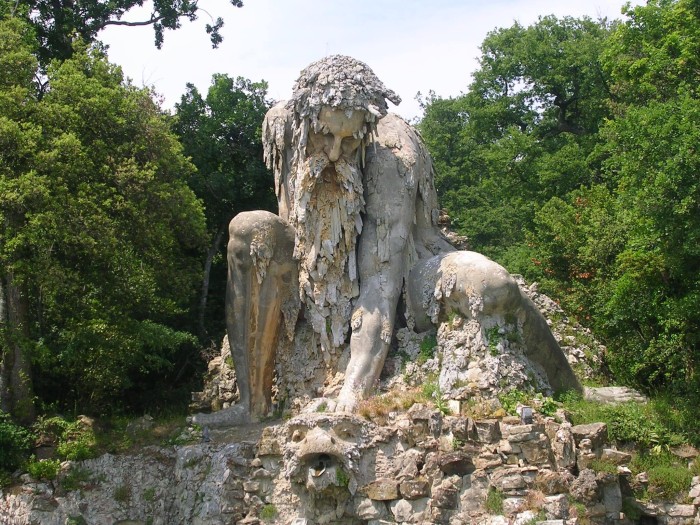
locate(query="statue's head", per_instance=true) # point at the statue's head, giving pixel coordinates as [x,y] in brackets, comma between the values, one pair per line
[336,103]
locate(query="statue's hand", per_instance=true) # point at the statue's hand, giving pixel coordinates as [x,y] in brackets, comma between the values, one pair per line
[347,400]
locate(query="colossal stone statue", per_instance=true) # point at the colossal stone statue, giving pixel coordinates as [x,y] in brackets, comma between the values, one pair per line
[355,235]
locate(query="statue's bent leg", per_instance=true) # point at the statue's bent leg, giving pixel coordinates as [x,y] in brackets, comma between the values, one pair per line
[477,287]
[262,287]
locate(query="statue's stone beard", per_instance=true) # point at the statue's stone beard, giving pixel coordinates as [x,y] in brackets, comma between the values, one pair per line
[326,217]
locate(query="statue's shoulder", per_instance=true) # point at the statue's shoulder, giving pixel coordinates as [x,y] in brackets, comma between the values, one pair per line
[278,115]
[404,141]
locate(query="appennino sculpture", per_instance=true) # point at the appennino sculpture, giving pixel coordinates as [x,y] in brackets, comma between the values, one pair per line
[355,247]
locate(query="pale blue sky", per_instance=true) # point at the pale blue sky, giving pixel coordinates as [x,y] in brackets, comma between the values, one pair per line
[411,45]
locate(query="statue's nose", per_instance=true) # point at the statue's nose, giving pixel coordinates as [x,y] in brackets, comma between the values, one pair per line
[336,149]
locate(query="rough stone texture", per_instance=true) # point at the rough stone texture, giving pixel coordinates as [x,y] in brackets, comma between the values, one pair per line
[613,395]
[319,468]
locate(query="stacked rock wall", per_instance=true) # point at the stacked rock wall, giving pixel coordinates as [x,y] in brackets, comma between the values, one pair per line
[421,467]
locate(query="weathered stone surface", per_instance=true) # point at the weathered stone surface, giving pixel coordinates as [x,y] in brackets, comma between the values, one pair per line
[456,463]
[551,482]
[405,511]
[613,394]
[584,488]
[556,507]
[382,490]
[368,509]
[616,457]
[521,433]
[597,433]
[488,430]
[414,489]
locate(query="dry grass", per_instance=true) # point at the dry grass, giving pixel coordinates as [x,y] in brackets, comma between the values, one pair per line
[378,408]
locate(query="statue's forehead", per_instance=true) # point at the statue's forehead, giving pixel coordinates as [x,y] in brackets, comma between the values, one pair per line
[341,121]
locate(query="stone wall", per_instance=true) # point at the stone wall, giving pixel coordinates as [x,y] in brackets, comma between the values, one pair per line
[420,467]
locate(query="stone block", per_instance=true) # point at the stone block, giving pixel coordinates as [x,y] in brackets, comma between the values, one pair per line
[414,489]
[536,452]
[556,507]
[382,490]
[680,511]
[550,482]
[445,498]
[596,432]
[367,509]
[488,430]
[487,461]
[405,511]
[521,433]
[616,457]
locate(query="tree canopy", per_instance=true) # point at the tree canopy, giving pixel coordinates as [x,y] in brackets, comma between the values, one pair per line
[57,23]
[573,159]
[100,235]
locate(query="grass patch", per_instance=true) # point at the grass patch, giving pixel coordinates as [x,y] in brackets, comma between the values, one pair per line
[600,465]
[75,478]
[494,501]
[380,406]
[630,422]
[268,512]
[428,347]
[122,493]
[669,477]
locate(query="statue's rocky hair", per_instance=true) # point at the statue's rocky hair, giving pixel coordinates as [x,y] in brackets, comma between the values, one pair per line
[340,82]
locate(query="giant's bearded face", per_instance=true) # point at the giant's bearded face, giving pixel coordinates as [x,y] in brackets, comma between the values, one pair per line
[328,200]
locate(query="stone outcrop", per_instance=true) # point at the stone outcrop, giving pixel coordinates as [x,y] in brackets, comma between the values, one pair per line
[421,467]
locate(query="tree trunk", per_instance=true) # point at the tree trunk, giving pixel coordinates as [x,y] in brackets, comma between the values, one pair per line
[204,294]
[16,392]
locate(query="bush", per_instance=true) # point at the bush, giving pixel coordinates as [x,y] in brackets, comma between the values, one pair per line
[43,469]
[76,440]
[15,444]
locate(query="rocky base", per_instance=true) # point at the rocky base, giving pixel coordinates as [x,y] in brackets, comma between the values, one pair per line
[421,467]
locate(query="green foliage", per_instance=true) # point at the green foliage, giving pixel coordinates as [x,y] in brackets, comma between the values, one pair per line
[99,230]
[600,465]
[511,399]
[75,440]
[428,347]
[122,493]
[15,444]
[494,501]
[149,494]
[268,512]
[341,477]
[493,337]
[222,134]
[572,159]
[75,478]
[669,477]
[629,422]
[522,134]
[43,469]
[56,23]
